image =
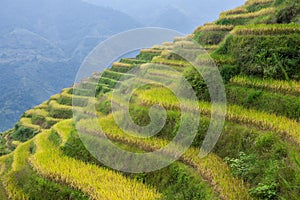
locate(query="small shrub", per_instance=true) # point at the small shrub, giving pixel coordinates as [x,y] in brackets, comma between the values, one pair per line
[23,133]
[288,13]
[197,82]
[241,166]
[228,72]
[264,191]
[55,138]
[265,142]
[210,37]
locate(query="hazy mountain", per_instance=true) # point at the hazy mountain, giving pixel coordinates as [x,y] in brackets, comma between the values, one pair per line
[189,13]
[42,44]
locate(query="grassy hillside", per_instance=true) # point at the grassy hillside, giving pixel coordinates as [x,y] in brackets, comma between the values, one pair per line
[255,47]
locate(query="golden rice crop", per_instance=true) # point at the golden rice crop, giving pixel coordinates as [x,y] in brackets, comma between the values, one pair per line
[98,183]
[3,166]
[286,87]
[250,15]
[267,29]
[39,112]
[28,123]
[55,97]
[56,105]
[20,157]
[215,27]
[183,38]
[150,51]
[119,64]
[253,2]
[238,10]
[209,23]
[186,44]
[64,129]
[211,168]
[288,128]
[167,43]
[43,105]
[210,48]
[162,72]
[163,61]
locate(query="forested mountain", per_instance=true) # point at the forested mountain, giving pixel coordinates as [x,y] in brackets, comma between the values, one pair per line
[42,44]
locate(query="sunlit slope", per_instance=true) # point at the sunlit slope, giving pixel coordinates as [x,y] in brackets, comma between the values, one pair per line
[256,157]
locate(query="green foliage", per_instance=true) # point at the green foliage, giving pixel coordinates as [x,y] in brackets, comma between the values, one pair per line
[274,86]
[257,7]
[121,69]
[112,75]
[285,105]
[228,72]
[222,59]
[37,187]
[61,113]
[236,21]
[147,56]
[132,61]
[171,56]
[242,165]
[104,106]
[263,160]
[288,12]
[266,29]
[177,182]
[65,100]
[23,133]
[210,37]
[102,89]
[81,92]
[265,56]
[264,191]
[174,182]
[107,81]
[37,119]
[54,138]
[75,148]
[197,82]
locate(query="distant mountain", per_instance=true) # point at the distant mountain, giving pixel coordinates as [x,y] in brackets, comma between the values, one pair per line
[180,15]
[42,44]
[172,17]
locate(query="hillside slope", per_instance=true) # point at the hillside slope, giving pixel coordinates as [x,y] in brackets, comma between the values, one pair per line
[256,48]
